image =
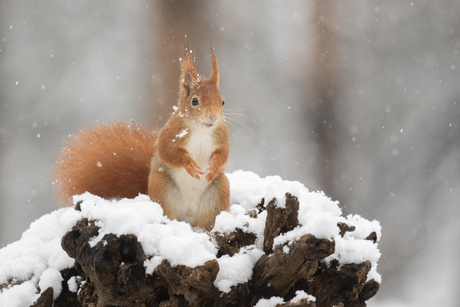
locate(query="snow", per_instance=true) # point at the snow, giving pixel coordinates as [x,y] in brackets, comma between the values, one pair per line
[273,301]
[51,278]
[36,259]
[182,133]
[300,295]
[173,240]
[73,283]
[236,269]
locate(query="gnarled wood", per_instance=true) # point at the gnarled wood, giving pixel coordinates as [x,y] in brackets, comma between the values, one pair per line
[231,243]
[343,284]
[280,220]
[276,274]
[195,285]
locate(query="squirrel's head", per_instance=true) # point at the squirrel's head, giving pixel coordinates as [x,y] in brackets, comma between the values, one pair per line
[200,100]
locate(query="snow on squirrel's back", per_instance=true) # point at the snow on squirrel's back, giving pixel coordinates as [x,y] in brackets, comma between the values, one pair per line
[36,259]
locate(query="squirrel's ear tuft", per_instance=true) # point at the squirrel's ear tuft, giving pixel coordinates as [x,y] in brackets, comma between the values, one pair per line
[215,72]
[188,72]
[187,83]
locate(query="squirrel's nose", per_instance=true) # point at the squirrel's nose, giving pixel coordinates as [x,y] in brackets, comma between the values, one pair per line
[212,117]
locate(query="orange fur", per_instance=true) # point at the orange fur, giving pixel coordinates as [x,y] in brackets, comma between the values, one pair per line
[181,167]
[111,161]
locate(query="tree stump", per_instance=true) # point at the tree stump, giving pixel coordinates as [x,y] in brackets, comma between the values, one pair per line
[112,272]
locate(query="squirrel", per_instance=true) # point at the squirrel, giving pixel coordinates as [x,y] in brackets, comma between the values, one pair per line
[181,166]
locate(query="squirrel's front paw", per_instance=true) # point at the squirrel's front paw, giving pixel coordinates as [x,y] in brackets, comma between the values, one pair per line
[194,169]
[213,171]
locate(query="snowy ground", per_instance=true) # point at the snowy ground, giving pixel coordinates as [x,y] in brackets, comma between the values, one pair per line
[36,259]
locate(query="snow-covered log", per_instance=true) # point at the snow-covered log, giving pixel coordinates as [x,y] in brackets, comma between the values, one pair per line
[294,250]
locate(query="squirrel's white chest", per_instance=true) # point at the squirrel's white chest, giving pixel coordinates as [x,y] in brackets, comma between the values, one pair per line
[200,146]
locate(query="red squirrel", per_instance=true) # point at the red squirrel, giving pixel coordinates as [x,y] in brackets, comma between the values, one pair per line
[181,166]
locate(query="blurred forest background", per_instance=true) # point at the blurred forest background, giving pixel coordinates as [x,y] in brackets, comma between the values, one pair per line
[360,99]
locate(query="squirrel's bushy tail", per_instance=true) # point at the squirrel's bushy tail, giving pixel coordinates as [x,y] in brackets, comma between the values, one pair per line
[111,161]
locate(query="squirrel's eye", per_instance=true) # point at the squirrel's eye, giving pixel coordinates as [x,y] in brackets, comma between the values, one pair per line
[223,102]
[194,102]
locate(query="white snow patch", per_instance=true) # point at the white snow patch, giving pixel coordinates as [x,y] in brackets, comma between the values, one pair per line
[73,283]
[19,295]
[272,302]
[51,278]
[300,295]
[236,269]
[182,133]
